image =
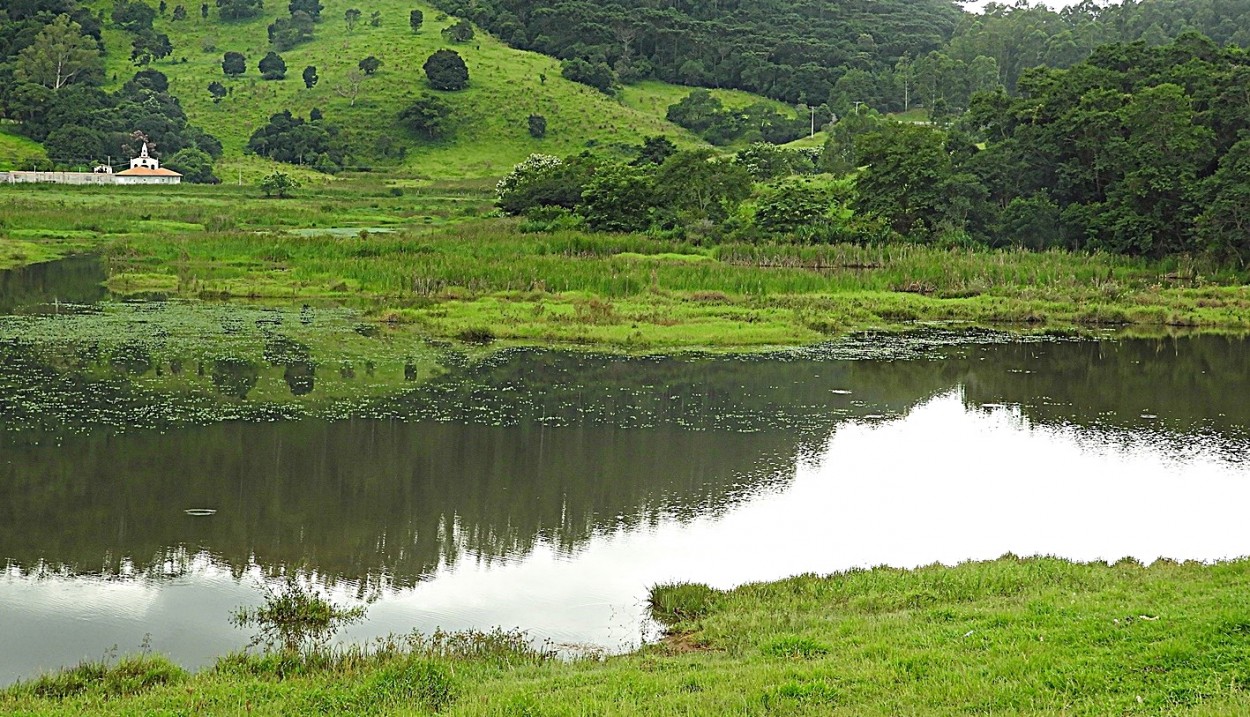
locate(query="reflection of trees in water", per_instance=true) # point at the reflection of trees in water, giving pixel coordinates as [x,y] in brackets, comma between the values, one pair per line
[78,280]
[492,458]
[1185,385]
[531,447]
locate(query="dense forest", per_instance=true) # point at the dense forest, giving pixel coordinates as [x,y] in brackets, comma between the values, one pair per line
[1137,150]
[888,54]
[51,73]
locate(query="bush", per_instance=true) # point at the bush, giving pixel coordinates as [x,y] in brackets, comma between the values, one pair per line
[445,70]
[295,618]
[537,126]
[672,603]
[272,66]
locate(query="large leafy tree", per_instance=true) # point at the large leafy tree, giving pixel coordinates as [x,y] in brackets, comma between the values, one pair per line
[445,70]
[59,55]
[428,116]
[904,182]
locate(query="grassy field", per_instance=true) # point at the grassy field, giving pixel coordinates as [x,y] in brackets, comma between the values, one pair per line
[17,151]
[425,257]
[1034,636]
[506,86]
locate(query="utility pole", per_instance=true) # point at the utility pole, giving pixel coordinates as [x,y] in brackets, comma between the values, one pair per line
[813,134]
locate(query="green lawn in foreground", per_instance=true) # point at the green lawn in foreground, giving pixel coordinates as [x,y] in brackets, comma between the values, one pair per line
[1037,636]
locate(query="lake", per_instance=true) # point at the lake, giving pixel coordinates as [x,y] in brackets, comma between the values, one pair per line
[162,462]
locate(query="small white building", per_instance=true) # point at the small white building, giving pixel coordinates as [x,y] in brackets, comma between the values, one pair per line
[145,169]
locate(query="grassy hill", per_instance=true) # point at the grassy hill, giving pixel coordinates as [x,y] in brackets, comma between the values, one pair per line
[506,86]
[15,150]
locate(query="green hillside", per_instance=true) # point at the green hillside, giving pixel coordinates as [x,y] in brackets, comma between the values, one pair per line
[17,151]
[506,86]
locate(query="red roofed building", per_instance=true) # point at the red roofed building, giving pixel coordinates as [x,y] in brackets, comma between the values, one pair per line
[145,169]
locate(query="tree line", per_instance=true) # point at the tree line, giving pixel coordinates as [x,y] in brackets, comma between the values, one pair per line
[1137,150]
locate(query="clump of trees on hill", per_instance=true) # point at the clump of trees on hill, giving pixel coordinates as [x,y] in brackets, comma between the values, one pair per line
[51,72]
[294,140]
[1138,150]
[889,55]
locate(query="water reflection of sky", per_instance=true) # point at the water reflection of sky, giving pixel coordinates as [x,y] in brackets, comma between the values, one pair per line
[945,483]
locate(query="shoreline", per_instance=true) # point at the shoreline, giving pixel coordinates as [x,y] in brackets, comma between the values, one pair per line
[1021,635]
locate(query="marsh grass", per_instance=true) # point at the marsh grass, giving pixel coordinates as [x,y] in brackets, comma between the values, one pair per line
[441,268]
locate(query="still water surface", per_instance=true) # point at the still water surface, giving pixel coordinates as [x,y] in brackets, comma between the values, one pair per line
[548,490]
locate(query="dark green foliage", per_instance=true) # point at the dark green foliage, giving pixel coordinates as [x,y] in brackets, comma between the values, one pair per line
[460,32]
[840,154]
[797,207]
[217,90]
[287,32]
[369,65]
[705,115]
[272,66]
[290,139]
[351,16]
[1124,146]
[239,9]
[148,46]
[233,64]
[312,8]
[204,10]
[618,198]
[654,150]
[428,116]
[415,19]
[195,166]
[546,181]
[375,18]
[149,79]
[911,183]
[445,70]
[695,186]
[180,13]
[133,15]
[792,51]
[595,74]
[75,145]
[537,125]
[765,161]
[310,76]
[1224,225]
[162,7]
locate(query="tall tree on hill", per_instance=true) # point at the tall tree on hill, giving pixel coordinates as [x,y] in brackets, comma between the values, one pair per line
[415,19]
[369,65]
[350,17]
[460,32]
[429,116]
[310,76]
[233,64]
[272,66]
[239,9]
[217,90]
[59,55]
[148,46]
[312,7]
[445,70]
